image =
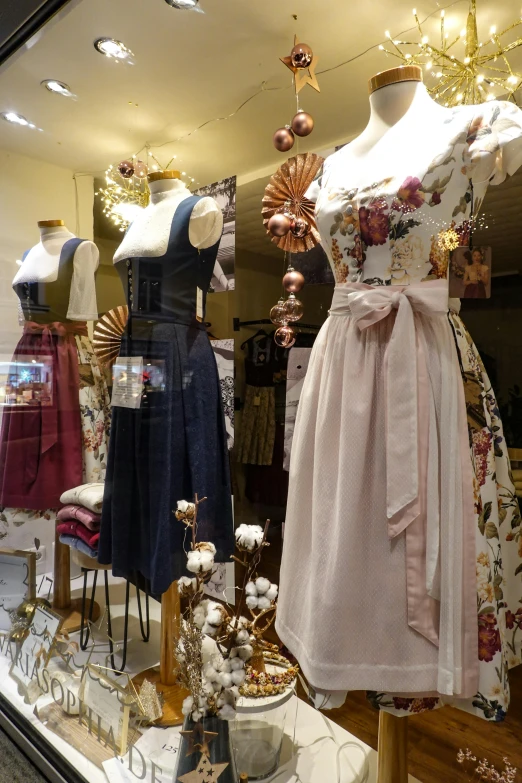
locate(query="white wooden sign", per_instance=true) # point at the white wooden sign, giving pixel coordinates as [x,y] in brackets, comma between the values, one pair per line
[35,651]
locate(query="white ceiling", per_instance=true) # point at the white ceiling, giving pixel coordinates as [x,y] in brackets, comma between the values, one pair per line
[192,67]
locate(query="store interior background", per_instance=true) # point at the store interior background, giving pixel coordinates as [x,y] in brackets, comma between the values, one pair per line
[190,68]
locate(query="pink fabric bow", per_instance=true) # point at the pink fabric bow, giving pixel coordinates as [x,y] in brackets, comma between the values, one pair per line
[405,380]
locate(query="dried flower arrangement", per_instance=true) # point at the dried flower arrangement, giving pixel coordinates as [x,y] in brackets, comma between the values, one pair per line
[483,770]
[221,654]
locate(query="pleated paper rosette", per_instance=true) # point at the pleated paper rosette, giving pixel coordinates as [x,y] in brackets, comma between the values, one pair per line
[289,184]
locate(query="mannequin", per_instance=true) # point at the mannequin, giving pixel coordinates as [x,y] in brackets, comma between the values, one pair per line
[61,439]
[148,235]
[74,296]
[172,444]
[383,534]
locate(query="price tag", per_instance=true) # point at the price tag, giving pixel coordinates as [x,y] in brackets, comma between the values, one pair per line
[199,304]
[127,380]
[257,402]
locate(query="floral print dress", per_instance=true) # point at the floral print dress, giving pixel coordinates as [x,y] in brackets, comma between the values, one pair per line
[343,607]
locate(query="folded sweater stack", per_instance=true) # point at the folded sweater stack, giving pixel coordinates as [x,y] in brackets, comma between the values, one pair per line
[79,519]
[517,478]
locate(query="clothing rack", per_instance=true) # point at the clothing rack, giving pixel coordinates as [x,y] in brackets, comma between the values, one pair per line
[262,321]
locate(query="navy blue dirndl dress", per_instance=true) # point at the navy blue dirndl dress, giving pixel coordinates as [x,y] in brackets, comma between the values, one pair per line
[175,444]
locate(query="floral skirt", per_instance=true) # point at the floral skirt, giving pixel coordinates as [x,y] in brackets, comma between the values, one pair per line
[95,417]
[498,543]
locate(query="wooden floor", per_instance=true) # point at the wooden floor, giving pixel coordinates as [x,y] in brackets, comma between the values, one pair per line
[434,737]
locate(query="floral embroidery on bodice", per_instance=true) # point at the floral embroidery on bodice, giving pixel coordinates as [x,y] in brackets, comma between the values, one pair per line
[395,231]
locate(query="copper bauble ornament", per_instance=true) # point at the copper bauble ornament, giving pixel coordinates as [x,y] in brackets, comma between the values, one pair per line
[293,309]
[284,139]
[126,169]
[303,123]
[140,169]
[277,313]
[284,337]
[299,227]
[279,224]
[293,281]
[301,55]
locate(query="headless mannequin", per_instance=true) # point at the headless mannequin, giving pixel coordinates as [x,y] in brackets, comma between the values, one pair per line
[148,235]
[76,299]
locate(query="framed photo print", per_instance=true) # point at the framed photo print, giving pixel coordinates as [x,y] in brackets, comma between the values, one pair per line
[17,582]
[35,651]
[470,272]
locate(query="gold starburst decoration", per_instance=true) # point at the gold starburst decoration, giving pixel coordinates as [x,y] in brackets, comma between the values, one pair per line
[473,72]
[448,239]
[123,197]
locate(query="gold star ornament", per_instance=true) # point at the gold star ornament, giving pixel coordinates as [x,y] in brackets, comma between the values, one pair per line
[205,772]
[303,63]
[199,739]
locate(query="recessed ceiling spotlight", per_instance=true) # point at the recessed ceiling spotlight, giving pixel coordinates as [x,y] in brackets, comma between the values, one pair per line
[183,4]
[17,119]
[114,49]
[60,88]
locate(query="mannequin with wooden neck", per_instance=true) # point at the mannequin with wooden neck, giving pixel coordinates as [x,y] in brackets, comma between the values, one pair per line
[148,235]
[42,265]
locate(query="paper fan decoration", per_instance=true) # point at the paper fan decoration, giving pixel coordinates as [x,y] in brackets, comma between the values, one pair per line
[288,187]
[107,334]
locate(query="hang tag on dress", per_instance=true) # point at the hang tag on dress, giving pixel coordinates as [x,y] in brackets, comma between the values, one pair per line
[257,402]
[199,305]
[127,382]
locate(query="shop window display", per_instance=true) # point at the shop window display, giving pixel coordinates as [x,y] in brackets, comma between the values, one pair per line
[259,472]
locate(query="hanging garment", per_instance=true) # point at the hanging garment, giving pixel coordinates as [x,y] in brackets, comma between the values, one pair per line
[402,519]
[175,444]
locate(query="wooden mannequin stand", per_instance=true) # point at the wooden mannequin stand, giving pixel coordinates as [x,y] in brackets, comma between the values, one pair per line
[69,609]
[392,749]
[165,679]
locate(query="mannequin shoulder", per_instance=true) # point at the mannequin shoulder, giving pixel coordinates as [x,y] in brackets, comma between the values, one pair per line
[206,223]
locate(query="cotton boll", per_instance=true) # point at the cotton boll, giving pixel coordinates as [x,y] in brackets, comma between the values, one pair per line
[186,707]
[236,663]
[249,536]
[225,679]
[183,506]
[197,715]
[250,589]
[200,561]
[227,666]
[209,630]
[246,652]
[227,712]
[262,585]
[271,593]
[238,676]
[200,614]
[263,602]
[214,617]
[209,673]
[242,637]
[208,688]
[251,601]
[233,653]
